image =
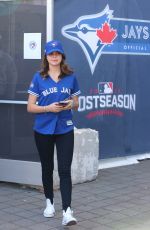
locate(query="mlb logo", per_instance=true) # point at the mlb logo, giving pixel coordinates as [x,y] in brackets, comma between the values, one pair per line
[105,87]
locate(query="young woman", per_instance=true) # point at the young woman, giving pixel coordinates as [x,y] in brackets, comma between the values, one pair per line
[53,93]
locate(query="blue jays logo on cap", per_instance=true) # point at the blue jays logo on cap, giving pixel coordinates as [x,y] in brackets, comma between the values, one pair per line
[53,46]
[102,33]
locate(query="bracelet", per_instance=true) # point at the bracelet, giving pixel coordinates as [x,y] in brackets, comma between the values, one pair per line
[45,110]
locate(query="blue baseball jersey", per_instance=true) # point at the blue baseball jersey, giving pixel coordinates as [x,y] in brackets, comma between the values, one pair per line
[48,91]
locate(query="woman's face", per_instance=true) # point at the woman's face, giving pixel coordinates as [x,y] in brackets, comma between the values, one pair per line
[54,59]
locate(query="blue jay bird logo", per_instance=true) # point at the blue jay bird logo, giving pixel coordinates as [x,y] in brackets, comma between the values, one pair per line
[102,33]
[92,33]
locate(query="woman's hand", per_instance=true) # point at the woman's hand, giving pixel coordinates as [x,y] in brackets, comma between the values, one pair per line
[54,108]
[72,104]
[69,105]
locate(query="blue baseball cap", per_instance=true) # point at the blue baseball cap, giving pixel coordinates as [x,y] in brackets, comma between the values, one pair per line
[53,46]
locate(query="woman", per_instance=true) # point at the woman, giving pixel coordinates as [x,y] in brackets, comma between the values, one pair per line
[53,93]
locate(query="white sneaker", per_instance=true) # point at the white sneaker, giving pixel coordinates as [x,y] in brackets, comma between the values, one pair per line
[68,218]
[49,210]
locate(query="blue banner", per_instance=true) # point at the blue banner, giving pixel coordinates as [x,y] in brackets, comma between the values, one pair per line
[108,45]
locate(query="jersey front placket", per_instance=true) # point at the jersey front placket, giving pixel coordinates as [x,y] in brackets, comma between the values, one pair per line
[54,97]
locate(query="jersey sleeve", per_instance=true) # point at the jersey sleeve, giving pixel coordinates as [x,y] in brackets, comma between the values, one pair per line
[75,91]
[34,86]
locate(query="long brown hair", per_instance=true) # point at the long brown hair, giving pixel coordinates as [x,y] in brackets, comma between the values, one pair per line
[64,67]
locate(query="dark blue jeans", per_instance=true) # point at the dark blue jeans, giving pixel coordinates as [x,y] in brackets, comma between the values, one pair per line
[64,146]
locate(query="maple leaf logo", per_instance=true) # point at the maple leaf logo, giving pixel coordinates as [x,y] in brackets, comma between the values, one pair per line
[106,34]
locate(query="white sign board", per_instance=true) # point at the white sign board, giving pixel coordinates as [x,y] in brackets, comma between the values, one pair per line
[32,46]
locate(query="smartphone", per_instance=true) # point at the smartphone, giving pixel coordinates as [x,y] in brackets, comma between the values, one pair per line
[63,103]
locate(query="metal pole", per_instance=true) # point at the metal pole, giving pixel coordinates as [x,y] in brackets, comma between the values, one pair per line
[13,102]
[49,20]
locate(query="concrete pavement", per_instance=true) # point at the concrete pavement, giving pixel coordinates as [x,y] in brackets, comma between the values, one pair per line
[119,199]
